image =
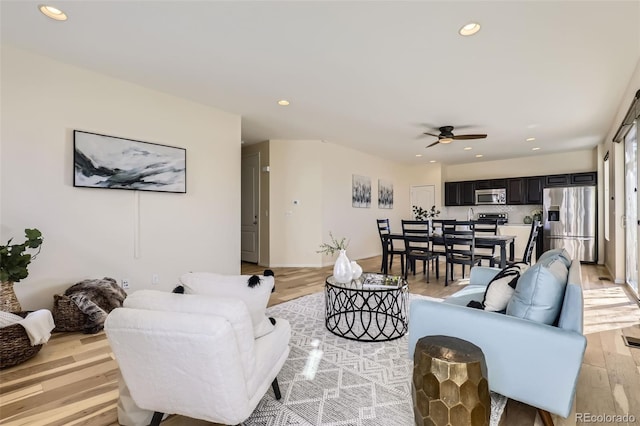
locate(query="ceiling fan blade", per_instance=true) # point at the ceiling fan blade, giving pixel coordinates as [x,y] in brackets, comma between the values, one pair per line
[435,143]
[431,134]
[462,137]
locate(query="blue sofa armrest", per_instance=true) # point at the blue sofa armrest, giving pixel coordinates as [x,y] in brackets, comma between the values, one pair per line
[481,275]
[527,361]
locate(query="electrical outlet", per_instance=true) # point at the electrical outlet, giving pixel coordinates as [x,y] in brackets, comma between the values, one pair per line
[155,279]
[125,283]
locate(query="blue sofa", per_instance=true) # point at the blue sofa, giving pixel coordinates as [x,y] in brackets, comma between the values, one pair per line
[532,362]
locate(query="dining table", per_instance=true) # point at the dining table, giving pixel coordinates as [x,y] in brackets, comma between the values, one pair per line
[483,240]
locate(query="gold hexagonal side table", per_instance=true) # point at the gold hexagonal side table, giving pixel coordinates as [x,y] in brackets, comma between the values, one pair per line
[450,385]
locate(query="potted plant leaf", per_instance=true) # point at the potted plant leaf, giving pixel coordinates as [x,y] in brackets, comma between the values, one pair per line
[14,260]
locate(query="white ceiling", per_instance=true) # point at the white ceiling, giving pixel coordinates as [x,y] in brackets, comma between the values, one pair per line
[365,74]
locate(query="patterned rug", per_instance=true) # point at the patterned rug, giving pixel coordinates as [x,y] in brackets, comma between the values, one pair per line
[355,383]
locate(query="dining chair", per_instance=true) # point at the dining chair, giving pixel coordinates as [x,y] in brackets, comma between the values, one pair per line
[437,226]
[486,251]
[418,247]
[536,226]
[459,244]
[384,231]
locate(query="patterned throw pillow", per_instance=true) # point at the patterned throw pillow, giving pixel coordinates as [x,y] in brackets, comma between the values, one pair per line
[500,289]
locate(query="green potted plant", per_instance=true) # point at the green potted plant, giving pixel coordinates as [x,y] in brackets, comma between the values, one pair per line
[14,260]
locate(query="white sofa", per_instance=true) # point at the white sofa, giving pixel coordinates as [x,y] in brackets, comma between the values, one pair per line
[194,355]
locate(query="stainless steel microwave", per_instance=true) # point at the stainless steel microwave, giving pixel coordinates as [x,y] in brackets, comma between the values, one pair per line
[491,196]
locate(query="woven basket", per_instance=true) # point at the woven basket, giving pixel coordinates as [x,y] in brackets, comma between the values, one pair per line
[15,346]
[8,300]
[66,314]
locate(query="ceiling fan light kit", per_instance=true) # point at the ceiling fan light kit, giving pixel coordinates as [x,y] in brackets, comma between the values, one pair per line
[446,136]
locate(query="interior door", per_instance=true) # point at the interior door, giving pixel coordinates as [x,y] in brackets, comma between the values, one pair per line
[423,196]
[631,207]
[250,208]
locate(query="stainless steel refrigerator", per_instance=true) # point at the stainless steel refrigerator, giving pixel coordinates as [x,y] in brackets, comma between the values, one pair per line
[569,219]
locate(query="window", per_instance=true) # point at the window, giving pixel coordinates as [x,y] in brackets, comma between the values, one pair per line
[607,197]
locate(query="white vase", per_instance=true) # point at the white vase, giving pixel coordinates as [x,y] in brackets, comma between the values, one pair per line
[356,270]
[342,268]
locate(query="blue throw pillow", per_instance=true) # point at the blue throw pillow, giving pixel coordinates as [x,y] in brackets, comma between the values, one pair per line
[539,292]
[556,253]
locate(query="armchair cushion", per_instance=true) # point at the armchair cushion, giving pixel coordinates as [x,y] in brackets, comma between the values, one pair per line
[540,291]
[236,286]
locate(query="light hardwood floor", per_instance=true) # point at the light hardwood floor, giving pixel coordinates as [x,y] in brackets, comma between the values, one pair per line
[73,379]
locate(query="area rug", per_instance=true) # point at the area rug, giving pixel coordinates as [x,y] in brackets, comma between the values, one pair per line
[355,383]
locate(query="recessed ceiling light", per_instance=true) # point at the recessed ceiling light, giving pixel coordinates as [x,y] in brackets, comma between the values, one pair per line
[535,149]
[418,155]
[530,139]
[467,148]
[53,12]
[432,161]
[469,29]
[283,102]
[479,155]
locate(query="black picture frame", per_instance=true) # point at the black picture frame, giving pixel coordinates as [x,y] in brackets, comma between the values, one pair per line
[110,162]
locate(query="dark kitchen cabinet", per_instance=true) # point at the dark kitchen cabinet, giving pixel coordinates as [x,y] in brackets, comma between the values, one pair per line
[483,184]
[452,193]
[468,193]
[498,183]
[459,193]
[516,191]
[584,179]
[557,180]
[533,188]
[490,184]
[520,190]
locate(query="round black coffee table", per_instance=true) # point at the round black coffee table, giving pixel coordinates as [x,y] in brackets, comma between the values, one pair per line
[371,309]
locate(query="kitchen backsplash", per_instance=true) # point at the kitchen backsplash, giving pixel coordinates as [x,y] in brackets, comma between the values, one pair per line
[516,213]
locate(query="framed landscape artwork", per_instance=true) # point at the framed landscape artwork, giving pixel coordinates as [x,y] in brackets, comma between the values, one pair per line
[385,194]
[102,161]
[361,191]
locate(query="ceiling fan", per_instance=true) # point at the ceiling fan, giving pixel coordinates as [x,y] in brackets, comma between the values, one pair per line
[446,135]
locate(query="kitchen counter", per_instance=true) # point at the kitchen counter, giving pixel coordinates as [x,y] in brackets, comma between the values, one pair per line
[521,232]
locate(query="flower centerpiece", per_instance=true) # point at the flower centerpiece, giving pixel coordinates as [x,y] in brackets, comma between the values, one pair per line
[421,214]
[14,260]
[342,269]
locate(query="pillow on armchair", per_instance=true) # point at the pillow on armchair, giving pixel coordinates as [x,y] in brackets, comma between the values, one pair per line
[237,286]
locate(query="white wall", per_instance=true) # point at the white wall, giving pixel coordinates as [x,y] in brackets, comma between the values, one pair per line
[295,229]
[359,224]
[88,233]
[535,165]
[319,176]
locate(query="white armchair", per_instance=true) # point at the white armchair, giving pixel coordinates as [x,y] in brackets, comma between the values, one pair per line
[194,355]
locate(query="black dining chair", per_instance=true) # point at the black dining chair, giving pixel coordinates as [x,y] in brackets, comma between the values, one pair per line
[384,231]
[437,226]
[536,226]
[459,244]
[418,247]
[486,251]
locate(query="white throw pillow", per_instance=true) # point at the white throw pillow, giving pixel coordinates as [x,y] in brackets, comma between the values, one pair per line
[256,298]
[502,287]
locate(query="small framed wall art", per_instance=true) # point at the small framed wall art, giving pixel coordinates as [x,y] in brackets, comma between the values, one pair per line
[385,194]
[361,191]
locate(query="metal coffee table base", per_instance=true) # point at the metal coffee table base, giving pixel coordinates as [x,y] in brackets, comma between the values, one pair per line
[375,315]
